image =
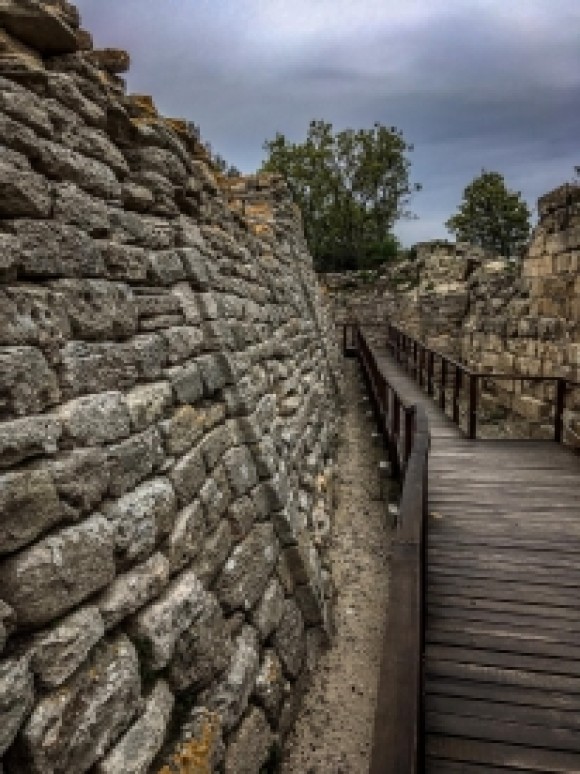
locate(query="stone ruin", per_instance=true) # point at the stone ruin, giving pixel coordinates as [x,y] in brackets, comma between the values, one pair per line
[168,391]
[494,314]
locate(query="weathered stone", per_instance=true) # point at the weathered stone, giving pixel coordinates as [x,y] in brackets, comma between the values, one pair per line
[147,403]
[213,373]
[240,470]
[133,460]
[33,315]
[159,626]
[215,495]
[23,193]
[184,429]
[217,442]
[271,685]
[16,698]
[187,537]
[135,751]
[183,342]
[230,698]
[141,517]
[269,611]
[39,26]
[242,516]
[132,590]
[54,575]
[250,745]
[188,476]
[113,60]
[200,747]
[246,573]
[186,382]
[81,479]
[125,262]
[72,728]
[56,654]
[203,651]
[289,639]
[31,492]
[165,268]
[52,249]
[98,309]
[27,384]
[9,257]
[76,207]
[7,623]
[216,549]
[95,419]
[285,575]
[62,163]
[30,437]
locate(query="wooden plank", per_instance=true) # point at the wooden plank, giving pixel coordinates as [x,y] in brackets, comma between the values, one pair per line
[517,757]
[502,676]
[509,695]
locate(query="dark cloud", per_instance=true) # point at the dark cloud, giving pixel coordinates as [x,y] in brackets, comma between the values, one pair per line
[486,84]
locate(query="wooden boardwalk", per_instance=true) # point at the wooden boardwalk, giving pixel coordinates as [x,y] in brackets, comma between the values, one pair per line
[503,601]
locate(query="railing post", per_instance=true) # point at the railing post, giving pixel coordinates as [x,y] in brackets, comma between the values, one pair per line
[421,363]
[409,417]
[430,369]
[472,417]
[456,390]
[443,383]
[560,406]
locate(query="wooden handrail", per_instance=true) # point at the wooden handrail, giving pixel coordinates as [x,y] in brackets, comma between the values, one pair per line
[412,354]
[398,729]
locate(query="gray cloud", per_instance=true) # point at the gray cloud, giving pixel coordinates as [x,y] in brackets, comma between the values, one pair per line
[475,85]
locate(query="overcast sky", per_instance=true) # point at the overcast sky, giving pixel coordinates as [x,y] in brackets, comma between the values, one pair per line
[472,84]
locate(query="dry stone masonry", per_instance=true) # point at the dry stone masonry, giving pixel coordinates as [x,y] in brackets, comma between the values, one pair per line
[168,387]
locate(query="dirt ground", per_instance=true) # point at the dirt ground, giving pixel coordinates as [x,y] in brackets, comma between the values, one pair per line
[333,734]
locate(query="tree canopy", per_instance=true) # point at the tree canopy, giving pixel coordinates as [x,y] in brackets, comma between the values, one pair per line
[492,216]
[351,187]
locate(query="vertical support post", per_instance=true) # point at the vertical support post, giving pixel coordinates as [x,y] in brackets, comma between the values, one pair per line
[430,369]
[421,364]
[443,383]
[560,406]
[472,421]
[456,391]
[409,417]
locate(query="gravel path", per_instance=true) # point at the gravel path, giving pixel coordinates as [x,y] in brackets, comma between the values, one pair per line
[333,733]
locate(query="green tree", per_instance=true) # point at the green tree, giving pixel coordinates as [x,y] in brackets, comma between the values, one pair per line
[491,216]
[351,187]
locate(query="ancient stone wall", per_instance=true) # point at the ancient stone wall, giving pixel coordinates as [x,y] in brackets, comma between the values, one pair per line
[168,392]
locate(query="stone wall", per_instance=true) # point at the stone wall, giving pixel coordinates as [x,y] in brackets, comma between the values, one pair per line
[168,389]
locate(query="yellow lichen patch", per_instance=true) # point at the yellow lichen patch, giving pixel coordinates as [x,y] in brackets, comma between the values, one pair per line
[195,755]
[144,103]
[179,126]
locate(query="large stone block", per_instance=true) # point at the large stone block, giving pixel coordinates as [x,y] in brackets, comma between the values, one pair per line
[16,698]
[95,419]
[148,403]
[29,506]
[57,653]
[62,163]
[7,623]
[187,536]
[188,476]
[269,611]
[135,751]
[27,383]
[216,496]
[290,639]
[34,315]
[271,686]
[70,729]
[23,193]
[52,249]
[81,478]
[248,569]
[250,745]
[141,517]
[133,460]
[51,577]
[240,468]
[75,207]
[98,309]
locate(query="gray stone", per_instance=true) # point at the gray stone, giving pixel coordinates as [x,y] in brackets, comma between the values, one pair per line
[98,309]
[187,537]
[16,698]
[27,384]
[183,342]
[29,437]
[159,626]
[213,373]
[216,496]
[188,476]
[217,442]
[61,163]
[135,751]
[203,651]
[75,207]
[71,728]
[195,263]
[148,403]
[9,257]
[183,429]
[56,654]
[53,576]
[216,549]
[242,516]
[269,611]
[141,517]
[52,249]
[165,267]
[230,698]
[95,419]
[188,302]
[7,623]
[290,640]
[133,460]
[271,685]
[250,745]
[132,590]
[81,478]
[209,306]
[200,742]
[31,492]
[186,382]
[246,573]
[240,469]
[126,262]
[35,315]
[23,193]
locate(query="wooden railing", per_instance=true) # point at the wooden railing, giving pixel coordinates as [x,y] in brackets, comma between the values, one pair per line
[433,369]
[398,731]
